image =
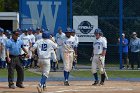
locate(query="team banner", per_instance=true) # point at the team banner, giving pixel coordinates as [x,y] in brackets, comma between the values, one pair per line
[85,27]
[48,14]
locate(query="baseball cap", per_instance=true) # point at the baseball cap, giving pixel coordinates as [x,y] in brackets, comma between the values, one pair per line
[68,30]
[59,28]
[134,33]
[30,29]
[38,28]
[25,30]
[123,34]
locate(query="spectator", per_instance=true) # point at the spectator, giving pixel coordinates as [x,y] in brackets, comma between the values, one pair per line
[125,59]
[135,49]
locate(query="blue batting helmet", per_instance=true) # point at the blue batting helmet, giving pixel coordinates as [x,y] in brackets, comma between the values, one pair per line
[46,35]
[98,31]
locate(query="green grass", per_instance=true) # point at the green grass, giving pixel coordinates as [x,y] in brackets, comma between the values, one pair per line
[4,73]
[111,74]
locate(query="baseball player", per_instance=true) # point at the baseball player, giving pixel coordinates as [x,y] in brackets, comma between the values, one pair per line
[59,40]
[53,54]
[68,50]
[77,42]
[3,39]
[44,47]
[98,57]
[38,34]
[26,44]
[32,38]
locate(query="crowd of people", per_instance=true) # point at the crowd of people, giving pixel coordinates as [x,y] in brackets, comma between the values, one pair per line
[32,48]
[20,48]
[29,37]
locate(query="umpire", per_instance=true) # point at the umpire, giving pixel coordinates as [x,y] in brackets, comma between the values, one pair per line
[13,51]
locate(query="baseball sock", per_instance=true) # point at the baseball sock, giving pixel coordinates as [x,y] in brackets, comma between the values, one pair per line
[3,64]
[66,75]
[43,80]
[74,64]
[102,77]
[96,76]
[29,62]
[54,64]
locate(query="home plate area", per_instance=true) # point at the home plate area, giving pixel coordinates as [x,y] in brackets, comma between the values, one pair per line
[76,87]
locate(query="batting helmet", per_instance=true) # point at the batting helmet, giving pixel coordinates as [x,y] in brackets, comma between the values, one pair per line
[98,31]
[46,35]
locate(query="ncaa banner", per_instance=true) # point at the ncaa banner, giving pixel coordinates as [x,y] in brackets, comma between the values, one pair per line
[85,27]
[48,14]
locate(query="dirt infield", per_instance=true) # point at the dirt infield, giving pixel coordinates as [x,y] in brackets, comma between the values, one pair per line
[76,87]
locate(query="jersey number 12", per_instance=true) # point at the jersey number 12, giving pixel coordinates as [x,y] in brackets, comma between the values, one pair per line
[44,47]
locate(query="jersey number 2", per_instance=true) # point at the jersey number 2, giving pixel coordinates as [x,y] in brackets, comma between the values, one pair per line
[44,47]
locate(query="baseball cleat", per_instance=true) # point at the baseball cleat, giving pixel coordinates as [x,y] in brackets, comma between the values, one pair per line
[66,83]
[12,86]
[101,83]
[44,87]
[40,89]
[95,83]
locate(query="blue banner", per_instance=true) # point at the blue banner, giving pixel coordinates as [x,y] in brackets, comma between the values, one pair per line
[47,14]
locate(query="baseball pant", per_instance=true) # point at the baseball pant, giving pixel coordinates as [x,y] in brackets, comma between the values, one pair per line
[2,57]
[67,61]
[44,65]
[59,53]
[53,56]
[98,62]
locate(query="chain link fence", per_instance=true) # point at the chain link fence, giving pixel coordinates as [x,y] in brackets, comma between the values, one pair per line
[108,15]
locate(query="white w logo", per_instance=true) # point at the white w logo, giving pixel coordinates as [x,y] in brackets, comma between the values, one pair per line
[46,13]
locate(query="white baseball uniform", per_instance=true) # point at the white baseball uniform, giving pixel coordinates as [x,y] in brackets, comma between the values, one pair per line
[3,40]
[98,60]
[59,41]
[32,38]
[53,53]
[68,51]
[44,49]
[26,43]
[76,40]
[38,36]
